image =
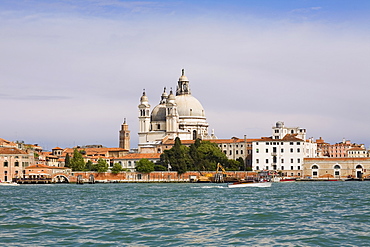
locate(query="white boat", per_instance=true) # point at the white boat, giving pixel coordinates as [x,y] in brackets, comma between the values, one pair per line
[8,184]
[249,184]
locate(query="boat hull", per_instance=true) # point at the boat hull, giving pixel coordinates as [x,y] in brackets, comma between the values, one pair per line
[241,185]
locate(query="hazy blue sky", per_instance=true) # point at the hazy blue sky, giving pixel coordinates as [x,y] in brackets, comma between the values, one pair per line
[71,70]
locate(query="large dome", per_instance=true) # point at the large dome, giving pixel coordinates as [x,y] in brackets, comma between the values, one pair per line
[159,113]
[187,105]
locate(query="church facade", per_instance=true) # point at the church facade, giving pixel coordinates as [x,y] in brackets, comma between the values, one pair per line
[180,115]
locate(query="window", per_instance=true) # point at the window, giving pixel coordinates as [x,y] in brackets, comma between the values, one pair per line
[257,150]
[267,150]
[158,126]
[282,168]
[224,151]
[291,143]
[231,152]
[282,150]
[314,173]
[291,161]
[291,168]
[282,161]
[291,150]
[16,164]
[336,167]
[336,173]
[257,167]
[257,161]
[298,160]
[299,167]
[5,163]
[267,167]
[267,161]
[256,143]
[298,150]
[298,143]
[236,152]
[241,151]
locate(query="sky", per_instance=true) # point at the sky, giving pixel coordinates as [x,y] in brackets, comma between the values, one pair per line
[72,70]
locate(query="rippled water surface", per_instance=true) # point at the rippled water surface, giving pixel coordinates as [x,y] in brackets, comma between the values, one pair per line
[287,214]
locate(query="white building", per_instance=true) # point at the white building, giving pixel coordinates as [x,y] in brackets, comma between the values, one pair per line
[284,151]
[180,116]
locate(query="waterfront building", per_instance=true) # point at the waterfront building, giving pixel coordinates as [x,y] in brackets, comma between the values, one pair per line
[129,161]
[284,151]
[337,150]
[13,161]
[341,168]
[180,115]
[357,152]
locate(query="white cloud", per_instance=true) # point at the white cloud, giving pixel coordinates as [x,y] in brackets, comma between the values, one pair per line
[247,73]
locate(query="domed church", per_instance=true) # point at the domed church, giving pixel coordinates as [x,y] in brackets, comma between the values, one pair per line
[180,116]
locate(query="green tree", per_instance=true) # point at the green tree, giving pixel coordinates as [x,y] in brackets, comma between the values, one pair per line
[117,168]
[144,166]
[77,161]
[89,166]
[67,161]
[210,155]
[158,167]
[101,166]
[177,157]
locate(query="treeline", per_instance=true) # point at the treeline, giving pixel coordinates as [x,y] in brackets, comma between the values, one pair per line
[199,156]
[77,163]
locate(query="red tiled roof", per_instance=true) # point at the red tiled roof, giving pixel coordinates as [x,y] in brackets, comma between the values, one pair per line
[9,150]
[141,156]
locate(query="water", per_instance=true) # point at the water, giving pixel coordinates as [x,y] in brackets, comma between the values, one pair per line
[287,214]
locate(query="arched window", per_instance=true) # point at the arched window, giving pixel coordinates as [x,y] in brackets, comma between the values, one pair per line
[336,167]
[359,167]
[315,167]
[194,134]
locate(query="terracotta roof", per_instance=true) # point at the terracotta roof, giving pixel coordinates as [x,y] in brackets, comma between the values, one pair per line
[217,141]
[9,150]
[140,156]
[57,148]
[337,159]
[7,143]
[45,166]
[357,149]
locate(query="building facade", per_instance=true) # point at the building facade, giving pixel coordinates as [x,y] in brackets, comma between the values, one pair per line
[180,115]
[284,151]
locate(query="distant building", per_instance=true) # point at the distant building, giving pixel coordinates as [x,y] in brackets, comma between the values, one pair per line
[180,116]
[341,168]
[13,161]
[284,151]
[338,150]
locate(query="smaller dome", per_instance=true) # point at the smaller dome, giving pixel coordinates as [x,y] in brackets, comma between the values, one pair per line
[183,76]
[144,98]
[171,98]
[279,124]
[159,113]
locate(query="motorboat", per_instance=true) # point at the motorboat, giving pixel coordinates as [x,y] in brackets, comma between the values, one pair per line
[8,184]
[242,184]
